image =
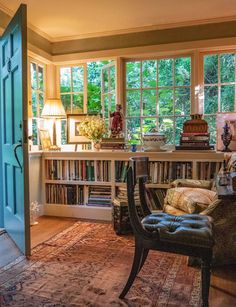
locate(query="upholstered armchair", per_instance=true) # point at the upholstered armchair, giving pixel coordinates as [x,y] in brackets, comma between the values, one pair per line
[200,196]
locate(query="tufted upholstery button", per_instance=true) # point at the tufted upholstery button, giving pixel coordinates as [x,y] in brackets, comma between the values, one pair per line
[190,229]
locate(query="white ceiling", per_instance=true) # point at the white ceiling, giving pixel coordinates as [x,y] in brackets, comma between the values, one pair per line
[59,19]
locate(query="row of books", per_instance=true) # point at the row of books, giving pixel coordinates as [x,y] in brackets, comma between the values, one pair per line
[99,196]
[64,194]
[82,170]
[207,170]
[167,171]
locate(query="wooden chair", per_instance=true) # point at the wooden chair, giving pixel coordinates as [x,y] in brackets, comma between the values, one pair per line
[189,235]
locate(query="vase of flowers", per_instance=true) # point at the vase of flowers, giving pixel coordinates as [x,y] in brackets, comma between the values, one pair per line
[93,127]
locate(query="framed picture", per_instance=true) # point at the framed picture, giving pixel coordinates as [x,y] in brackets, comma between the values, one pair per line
[73,136]
[45,139]
[221,119]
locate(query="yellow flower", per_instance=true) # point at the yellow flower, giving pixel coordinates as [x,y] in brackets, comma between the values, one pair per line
[92,127]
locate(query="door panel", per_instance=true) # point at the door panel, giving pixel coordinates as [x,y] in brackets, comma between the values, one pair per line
[14,130]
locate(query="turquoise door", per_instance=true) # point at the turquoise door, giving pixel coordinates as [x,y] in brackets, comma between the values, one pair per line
[14,137]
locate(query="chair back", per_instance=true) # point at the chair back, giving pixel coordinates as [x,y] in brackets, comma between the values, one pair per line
[138,171]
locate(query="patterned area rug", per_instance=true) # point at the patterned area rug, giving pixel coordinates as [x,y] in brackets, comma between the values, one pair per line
[88,265]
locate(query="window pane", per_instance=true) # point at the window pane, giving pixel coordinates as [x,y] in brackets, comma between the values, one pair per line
[66,101]
[78,78]
[34,103]
[149,73]
[94,99]
[41,103]
[133,129]
[149,124]
[63,132]
[210,69]
[133,103]
[40,78]
[112,78]
[227,98]
[33,76]
[149,102]
[113,103]
[182,101]
[179,127]
[165,101]
[227,68]
[106,106]
[133,75]
[182,71]
[65,79]
[35,131]
[165,72]
[78,103]
[210,99]
[105,81]
[166,126]
[211,128]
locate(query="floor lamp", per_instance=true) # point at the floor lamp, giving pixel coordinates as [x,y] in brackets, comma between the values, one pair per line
[53,109]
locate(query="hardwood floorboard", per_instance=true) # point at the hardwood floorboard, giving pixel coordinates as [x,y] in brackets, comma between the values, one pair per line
[47,227]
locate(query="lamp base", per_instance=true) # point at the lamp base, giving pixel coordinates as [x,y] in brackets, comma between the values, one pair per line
[54,148]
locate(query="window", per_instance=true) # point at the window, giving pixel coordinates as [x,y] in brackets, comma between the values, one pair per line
[37,97]
[158,94]
[82,91]
[72,88]
[219,87]
[108,94]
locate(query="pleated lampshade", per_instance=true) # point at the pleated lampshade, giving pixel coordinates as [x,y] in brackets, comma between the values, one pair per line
[53,108]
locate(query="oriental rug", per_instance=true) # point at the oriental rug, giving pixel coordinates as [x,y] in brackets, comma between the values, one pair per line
[88,265]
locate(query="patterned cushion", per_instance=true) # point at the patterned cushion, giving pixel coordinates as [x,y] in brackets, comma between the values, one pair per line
[190,200]
[192,183]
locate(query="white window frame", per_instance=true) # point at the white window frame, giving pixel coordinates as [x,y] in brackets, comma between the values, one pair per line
[174,116]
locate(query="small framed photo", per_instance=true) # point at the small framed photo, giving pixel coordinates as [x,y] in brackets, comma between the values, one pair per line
[45,139]
[73,136]
[221,119]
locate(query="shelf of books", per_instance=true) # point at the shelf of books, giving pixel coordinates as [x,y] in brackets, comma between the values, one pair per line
[84,184]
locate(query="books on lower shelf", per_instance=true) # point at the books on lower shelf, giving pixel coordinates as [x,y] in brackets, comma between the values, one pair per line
[99,196]
[81,170]
[64,194]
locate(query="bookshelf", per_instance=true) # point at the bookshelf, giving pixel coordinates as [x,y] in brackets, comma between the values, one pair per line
[83,184]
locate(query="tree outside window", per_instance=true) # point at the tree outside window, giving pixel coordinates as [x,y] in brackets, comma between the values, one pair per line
[158,95]
[37,97]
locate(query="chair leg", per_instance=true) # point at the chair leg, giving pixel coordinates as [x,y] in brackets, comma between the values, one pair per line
[206,276]
[145,254]
[138,256]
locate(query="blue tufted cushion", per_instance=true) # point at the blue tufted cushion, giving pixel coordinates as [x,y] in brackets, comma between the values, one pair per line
[190,229]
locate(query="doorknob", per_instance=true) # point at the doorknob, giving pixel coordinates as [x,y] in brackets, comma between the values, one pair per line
[16,156]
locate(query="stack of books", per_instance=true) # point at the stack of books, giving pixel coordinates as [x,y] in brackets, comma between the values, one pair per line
[195,140]
[99,196]
[121,198]
[195,134]
[113,143]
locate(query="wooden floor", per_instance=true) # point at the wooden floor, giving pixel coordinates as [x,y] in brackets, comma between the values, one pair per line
[48,227]
[223,280]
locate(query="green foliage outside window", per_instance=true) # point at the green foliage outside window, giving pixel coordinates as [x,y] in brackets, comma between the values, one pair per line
[158,96]
[219,87]
[37,96]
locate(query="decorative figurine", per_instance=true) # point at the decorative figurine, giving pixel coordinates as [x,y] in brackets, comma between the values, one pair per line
[226,137]
[117,122]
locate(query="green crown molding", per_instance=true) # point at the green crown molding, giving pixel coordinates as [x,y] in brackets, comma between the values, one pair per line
[148,38]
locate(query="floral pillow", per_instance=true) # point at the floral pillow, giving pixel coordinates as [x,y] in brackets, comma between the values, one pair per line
[190,200]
